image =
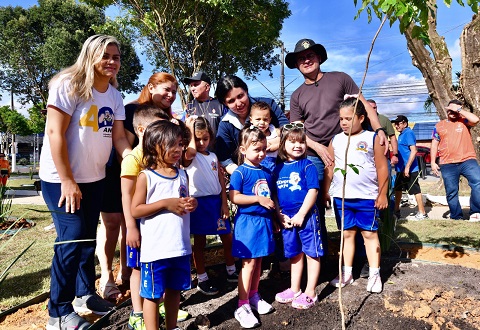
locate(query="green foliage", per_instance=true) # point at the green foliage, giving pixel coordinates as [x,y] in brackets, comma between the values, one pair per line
[408,12]
[13,122]
[52,34]
[216,36]
[36,120]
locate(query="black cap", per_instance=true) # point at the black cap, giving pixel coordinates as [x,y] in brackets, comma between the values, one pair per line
[198,76]
[399,119]
[304,44]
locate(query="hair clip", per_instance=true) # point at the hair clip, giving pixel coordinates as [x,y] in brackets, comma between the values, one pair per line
[253,127]
[174,121]
[347,96]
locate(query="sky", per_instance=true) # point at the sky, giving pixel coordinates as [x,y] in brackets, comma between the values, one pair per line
[392,80]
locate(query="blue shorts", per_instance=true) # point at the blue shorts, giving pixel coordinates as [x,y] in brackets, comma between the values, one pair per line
[359,213]
[206,219]
[252,236]
[133,254]
[304,239]
[171,273]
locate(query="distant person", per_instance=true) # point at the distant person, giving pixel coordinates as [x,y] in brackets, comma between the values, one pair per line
[72,169]
[407,169]
[452,138]
[203,105]
[389,131]
[4,169]
[365,191]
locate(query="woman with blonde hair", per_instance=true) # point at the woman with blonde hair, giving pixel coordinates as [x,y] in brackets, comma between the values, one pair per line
[75,151]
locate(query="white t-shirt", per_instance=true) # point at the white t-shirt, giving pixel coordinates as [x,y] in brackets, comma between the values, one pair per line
[89,133]
[360,153]
[165,234]
[203,175]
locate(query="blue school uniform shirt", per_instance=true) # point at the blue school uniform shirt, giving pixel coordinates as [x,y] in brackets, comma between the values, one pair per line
[293,180]
[405,140]
[252,181]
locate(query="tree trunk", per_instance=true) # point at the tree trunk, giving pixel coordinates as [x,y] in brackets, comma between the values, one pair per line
[470,78]
[436,70]
[435,64]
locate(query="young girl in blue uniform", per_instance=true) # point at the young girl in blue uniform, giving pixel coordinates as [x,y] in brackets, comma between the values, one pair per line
[207,185]
[297,190]
[250,189]
[162,202]
[365,191]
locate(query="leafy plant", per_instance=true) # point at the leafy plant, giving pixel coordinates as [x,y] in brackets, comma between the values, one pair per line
[5,204]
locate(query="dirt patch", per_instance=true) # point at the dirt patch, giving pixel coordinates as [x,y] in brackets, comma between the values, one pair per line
[14,223]
[439,294]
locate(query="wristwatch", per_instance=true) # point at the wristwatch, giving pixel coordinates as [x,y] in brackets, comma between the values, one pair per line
[459,109]
[396,155]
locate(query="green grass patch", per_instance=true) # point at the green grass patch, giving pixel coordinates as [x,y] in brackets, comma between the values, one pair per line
[30,276]
[21,183]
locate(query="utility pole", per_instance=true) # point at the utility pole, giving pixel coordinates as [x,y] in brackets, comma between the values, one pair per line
[282,78]
[14,143]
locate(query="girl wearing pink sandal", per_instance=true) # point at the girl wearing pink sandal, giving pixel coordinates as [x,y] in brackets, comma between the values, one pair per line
[297,190]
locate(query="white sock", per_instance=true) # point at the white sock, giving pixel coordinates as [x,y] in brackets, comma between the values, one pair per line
[374,271]
[231,269]
[202,277]
[347,270]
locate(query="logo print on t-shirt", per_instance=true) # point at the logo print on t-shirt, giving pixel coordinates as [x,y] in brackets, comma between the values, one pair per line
[261,188]
[294,181]
[362,146]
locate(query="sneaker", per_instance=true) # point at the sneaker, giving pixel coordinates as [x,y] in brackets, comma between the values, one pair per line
[375,284]
[336,281]
[135,321]
[71,321]
[181,316]
[365,272]
[207,288]
[232,278]
[304,302]
[245,316]
[287,296]
[474,217]
[418,216]
[92,303]
[260,305]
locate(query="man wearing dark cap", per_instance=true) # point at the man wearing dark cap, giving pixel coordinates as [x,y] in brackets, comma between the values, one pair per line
[316,103]
[452,138]
[202,104]
[407,168]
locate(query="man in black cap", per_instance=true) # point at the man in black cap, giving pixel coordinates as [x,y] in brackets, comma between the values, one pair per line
[202,104]
[407,169]
[316,103]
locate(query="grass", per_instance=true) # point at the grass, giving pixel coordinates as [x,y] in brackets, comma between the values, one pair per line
[21,183]
[29,277]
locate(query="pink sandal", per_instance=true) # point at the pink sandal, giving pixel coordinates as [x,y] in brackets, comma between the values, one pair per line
[304,302]
[287,296]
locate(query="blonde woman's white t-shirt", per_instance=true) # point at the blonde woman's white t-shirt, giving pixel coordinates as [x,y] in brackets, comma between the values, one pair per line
[89,133]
